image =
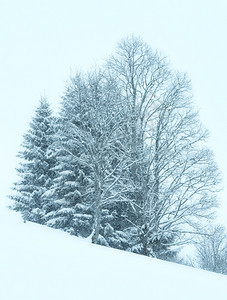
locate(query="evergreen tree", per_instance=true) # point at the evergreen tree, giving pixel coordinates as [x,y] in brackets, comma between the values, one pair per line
[67,194]
[35,169]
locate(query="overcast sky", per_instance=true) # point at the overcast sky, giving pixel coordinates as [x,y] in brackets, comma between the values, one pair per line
[42,42]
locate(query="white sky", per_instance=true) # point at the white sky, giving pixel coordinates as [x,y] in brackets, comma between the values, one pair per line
[42,41]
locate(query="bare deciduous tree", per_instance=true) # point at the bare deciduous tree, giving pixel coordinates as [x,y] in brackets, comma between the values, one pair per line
[96,132]
[173,174]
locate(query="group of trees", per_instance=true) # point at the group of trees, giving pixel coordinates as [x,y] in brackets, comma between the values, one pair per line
[211,250]
[125,160]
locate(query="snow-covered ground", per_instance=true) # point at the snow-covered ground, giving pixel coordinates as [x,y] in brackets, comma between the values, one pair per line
[40,263]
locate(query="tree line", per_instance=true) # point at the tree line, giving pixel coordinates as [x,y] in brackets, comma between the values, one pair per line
[125,160]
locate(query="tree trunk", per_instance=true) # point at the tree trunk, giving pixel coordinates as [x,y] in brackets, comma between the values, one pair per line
[98,210]
[97,223]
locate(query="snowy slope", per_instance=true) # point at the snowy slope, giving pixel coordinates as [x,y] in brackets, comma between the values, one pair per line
[41,263]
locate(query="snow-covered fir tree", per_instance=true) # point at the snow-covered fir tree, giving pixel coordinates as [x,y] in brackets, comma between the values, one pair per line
[67,194]
[36,166]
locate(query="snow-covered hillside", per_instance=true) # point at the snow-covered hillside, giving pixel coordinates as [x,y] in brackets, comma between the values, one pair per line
[40,263]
